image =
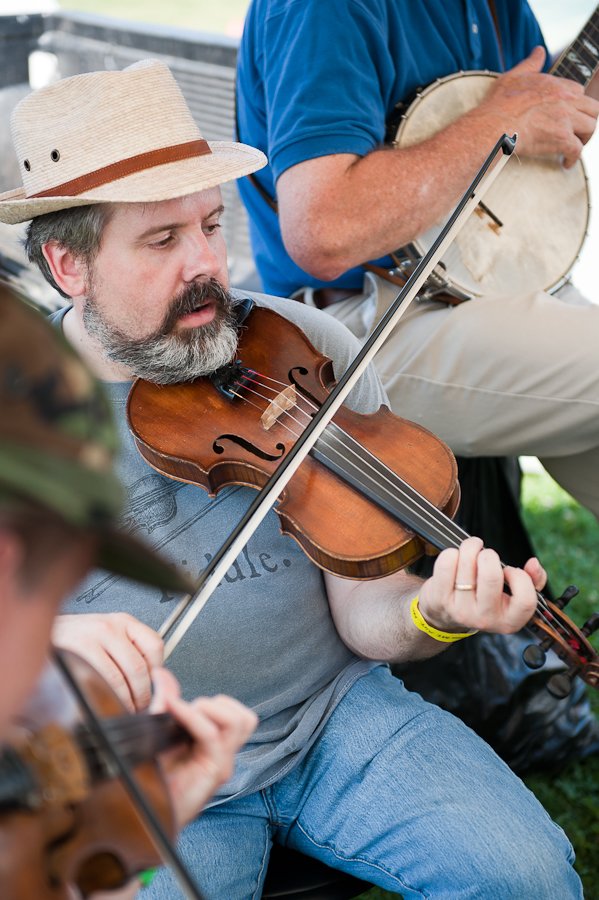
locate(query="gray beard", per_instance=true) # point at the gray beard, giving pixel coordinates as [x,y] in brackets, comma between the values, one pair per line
[166,356]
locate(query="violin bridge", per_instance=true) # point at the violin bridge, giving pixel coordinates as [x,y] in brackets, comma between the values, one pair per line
[284,401]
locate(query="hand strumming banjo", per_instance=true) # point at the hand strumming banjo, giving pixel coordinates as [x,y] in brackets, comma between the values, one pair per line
[530,229]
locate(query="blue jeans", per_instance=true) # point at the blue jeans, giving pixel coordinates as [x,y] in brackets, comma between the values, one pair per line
[394,791]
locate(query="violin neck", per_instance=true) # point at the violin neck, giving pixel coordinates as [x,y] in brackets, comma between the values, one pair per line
[137,738]
[351,461]
[348,459]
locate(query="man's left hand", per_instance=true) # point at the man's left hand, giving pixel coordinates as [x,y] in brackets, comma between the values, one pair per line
[466,591]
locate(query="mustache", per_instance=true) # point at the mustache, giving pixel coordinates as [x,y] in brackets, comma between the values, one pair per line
[193,296]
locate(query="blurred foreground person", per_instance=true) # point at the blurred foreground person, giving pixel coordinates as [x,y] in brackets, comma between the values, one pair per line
[59,507]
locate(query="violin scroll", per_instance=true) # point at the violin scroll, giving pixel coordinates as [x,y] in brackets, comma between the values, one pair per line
[571,644]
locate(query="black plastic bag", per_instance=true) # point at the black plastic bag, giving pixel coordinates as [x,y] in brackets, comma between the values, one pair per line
[484,682]
[483,679]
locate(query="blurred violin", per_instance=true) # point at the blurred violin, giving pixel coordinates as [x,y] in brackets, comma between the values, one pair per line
[66,819]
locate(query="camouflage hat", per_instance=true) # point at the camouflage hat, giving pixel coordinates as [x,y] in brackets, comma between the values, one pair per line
[57,442]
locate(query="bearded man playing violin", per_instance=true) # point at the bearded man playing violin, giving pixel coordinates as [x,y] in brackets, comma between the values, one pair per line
[346,765]
[59,505]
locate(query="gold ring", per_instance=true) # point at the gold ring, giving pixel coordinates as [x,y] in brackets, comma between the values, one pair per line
[464,587]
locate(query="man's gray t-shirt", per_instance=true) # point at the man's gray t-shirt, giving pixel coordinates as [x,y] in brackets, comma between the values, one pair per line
[266,635]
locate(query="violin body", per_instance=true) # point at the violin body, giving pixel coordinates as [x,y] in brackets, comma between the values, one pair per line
[194,433]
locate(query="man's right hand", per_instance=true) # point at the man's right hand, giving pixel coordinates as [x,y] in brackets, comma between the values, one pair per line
[551,115]
[219,727]
[121,648]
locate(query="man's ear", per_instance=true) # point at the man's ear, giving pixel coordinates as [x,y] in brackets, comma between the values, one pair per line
[69,271]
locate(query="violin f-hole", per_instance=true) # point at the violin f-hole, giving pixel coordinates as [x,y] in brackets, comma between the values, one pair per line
[251,448]
[294,380]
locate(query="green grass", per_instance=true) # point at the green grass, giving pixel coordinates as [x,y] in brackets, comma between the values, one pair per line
[567,541]
[566,538]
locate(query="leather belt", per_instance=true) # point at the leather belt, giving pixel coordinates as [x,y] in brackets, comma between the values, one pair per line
[324,297]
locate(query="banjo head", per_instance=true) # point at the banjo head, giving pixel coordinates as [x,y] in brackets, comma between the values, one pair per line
[539,211]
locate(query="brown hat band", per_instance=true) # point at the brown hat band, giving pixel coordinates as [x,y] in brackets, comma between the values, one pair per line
[126,167]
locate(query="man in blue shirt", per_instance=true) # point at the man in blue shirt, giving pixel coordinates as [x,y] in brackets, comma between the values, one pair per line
[508,374]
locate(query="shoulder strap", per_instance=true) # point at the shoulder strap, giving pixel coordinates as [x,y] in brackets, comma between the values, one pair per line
[495,17]
[254,181]
[264,194]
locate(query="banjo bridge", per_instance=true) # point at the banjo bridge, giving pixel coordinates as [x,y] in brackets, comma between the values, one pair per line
[483,210]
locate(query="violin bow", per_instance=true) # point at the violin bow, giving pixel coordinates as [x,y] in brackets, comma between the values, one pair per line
[184,614]
[120,767]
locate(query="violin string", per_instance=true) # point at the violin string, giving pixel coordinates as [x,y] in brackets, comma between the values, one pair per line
[451,533]
[128,779]
[126,741]
[249,402]
[378,467]
[126,732]
[456,534]
[429,511]
[255,393]
[93,756]
[282,385]
[429,514]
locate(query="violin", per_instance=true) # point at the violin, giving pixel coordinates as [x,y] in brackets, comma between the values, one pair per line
[236,426]
[374,493]
[66,820]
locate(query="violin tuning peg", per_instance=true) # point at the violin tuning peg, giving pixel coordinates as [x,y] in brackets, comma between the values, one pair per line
[565,598]
[560,685]
[591,625]
[534,656]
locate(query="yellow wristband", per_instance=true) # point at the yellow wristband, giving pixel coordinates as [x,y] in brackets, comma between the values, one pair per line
[447,637]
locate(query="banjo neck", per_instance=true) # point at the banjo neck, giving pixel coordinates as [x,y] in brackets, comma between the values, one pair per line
[580,60]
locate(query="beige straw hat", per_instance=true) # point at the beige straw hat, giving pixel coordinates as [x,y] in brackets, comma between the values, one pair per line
[114,137]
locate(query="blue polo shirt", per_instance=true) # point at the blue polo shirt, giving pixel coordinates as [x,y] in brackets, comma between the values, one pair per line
[317,77]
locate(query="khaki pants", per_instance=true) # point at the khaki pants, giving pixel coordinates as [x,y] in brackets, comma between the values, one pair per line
[506,376]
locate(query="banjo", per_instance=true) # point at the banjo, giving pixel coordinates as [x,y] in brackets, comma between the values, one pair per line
[505,246]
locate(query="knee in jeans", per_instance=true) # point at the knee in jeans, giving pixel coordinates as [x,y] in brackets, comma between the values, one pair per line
[542,871]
